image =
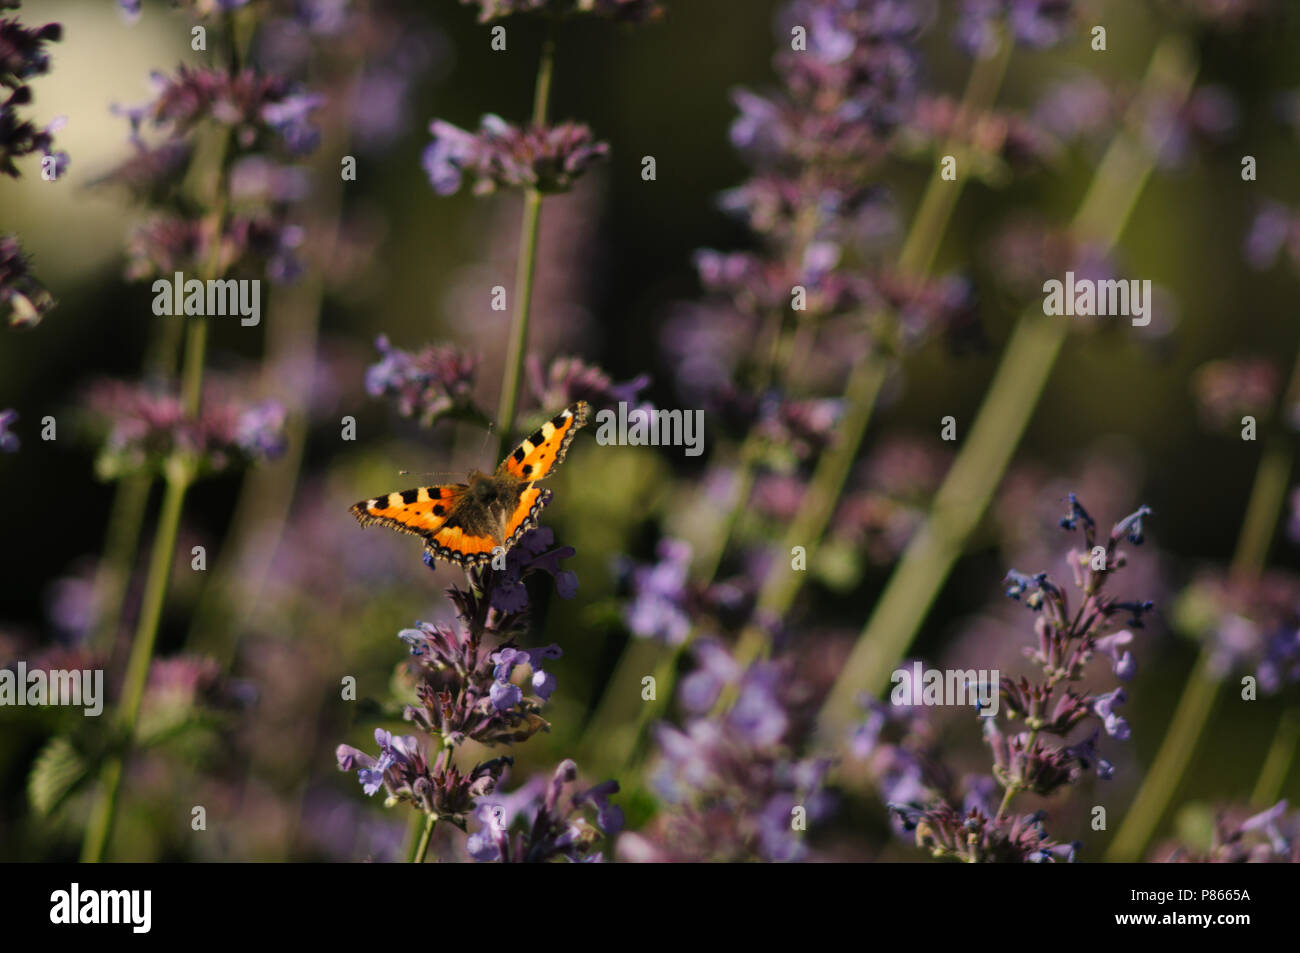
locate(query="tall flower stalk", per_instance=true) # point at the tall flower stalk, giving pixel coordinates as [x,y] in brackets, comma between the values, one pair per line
[527,263]
[1012,396]
[244,110]
[1196,703]
[466,686]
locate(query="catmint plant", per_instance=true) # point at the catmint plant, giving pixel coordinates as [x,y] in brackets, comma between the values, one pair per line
[1064,724]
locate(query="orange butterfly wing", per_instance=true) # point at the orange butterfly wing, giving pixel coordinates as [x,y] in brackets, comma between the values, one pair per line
[420,512]
[537,456]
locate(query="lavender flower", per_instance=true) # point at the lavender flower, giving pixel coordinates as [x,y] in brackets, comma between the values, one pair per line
[500,155]
[975,837]
[543,822]
[405,774]
[733,790]
[426,385]
[570,379]
[1032,23]
[253,243]
[658,607]
[535,552]
[1276,228]
[199,8]
[1268,837]
[144,426]
[969,822]
[23,56]
[263,110]
[464,691]
[23,301]
[1248,626]
[9,442]
[1226,390]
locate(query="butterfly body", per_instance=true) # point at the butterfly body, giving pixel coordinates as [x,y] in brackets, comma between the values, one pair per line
[465,523]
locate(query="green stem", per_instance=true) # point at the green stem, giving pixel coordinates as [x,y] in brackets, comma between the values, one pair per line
[179,474]
[1171,761]
[426,836]
[526,267]
[1264,509]
[126,518]
[100,828]
[1268,788]
[1017,385]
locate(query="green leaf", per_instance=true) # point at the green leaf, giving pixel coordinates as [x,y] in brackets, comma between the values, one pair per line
[59,769]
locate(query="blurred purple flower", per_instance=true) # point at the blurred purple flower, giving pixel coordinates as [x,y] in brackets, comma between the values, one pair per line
[23,301]
[427,384]
[1033,23]
[1270,836]
[144,426]
[570,379]
[659,595]
[9,442]
[262,109]
[500,155]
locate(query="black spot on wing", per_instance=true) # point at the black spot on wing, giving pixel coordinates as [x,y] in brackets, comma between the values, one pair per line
[528,468]
[536,439]
[519,455]
[379,503]
[439,509]
[410,496]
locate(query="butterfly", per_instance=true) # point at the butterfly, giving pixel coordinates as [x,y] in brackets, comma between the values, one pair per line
[464,523]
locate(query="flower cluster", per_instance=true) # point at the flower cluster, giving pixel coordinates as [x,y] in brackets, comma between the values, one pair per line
[1226,390]
[263,111]
[993,140]
[268,119]
[665,604]
[503,156]
[435,382]
[22,56]
[1032,23]
[732,787]
[472,682]
[1275,229]
[406,774]
[1250,626]
[144,426]
[8,440]
[541,822]
[570,379]
[1268,837]
[983,827]
[23,301]
[465,690]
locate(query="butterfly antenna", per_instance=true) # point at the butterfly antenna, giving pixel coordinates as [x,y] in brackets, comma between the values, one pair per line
[491,427]
[432,473]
